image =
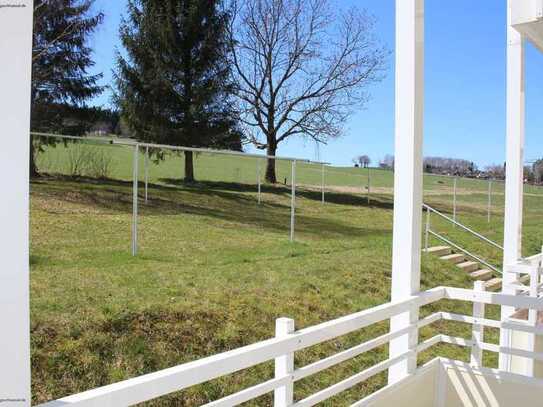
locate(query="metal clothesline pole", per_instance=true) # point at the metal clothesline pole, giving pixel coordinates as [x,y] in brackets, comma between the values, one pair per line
[146,174]
[454,198]
[259,182]
[322,182]
[369,185]
[489,199]
[293,201]
[135,202]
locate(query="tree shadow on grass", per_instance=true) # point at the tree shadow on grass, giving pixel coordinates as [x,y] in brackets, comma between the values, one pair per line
[331,197]
[216,200]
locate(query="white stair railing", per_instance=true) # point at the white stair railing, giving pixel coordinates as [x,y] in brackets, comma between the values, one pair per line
[429,232]
[288,341]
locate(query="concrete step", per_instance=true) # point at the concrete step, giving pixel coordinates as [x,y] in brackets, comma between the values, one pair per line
[482,275]
[454,258]
[469,266]
[525,279]
[494,284]
[438,250]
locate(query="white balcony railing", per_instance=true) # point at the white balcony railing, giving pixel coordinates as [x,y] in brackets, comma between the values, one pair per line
[288,341]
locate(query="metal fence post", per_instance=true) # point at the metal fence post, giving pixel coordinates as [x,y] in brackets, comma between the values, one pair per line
[478,329]
[146,163]
[284,365]
[322,182]
[258,180]
[369,186]
[489,199]
[135,202]
[427,230]
[293,201]
[454,200]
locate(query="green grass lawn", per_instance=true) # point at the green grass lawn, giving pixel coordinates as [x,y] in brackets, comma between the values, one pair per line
[216,269]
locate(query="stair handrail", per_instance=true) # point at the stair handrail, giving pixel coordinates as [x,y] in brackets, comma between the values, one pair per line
[467,253]
[467,229]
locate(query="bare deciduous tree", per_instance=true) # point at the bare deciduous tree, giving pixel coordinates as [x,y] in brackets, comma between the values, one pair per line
[301,67]
[387,162]
[496,171]
[362,160]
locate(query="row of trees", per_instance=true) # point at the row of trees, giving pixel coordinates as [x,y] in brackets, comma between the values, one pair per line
[534,173]
[211,73]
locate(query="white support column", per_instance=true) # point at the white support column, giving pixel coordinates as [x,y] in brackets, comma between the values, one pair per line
[514,169]
[284,365]
[407,176]
[478,329]
[135,182]
[15,68]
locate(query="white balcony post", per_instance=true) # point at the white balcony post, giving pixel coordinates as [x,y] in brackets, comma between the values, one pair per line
[15,69]
[478,329]
[284,365]
[407,176]
[514,168]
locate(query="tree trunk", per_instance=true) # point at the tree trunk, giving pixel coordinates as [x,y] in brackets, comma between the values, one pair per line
[189,167]
[33,168]
[270,168]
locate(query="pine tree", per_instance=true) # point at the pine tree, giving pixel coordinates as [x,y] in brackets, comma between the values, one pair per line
[174,84]
[61,59]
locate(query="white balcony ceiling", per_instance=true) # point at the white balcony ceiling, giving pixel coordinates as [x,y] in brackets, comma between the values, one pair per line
[528,19]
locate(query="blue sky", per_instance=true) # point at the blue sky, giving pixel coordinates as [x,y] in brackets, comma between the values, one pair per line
[465,85]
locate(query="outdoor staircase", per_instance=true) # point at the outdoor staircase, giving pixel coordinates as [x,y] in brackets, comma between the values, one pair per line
[473,268]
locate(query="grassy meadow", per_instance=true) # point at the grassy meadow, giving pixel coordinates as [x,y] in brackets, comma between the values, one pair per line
[216,269]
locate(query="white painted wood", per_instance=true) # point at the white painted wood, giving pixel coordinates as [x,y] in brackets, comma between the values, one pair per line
[514,185]
[153,385]
[135,182]
[532,320]
[407,175]
[441,387]
[477,335]
[355,351]
[293,201]
[371,399]
[351,381]
[284,366]
[508,300]
[510,377]
[15,68]
[527,17]
[250,393]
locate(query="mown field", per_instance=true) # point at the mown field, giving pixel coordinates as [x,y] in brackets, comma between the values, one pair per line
[216,269]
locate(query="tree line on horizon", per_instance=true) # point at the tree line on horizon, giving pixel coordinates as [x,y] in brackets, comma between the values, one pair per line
[207,73]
